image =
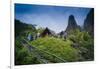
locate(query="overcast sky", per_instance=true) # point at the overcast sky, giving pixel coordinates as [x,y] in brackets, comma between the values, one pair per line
[53,17]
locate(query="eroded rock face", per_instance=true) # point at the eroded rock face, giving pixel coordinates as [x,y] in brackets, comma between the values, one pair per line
[72,25]
[89,22]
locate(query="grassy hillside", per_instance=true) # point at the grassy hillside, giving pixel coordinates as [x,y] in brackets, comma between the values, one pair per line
[57,47]
[79,46]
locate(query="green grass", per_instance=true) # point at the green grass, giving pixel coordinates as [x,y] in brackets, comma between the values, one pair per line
[55,50]
[57,47]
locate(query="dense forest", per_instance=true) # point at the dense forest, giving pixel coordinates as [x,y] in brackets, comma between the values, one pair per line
[42,45]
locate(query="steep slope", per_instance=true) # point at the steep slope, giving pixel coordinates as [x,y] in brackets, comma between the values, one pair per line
[72,25]
[89,22]
[21,27]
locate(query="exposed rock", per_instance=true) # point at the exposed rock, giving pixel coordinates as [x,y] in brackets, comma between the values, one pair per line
[72,25]
[89,22]
[46,32]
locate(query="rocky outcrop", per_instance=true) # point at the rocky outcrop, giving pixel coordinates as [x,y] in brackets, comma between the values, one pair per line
[89,22]
[47,32]
[72,25]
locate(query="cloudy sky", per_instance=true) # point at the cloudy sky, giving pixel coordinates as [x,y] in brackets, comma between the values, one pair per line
[53,17]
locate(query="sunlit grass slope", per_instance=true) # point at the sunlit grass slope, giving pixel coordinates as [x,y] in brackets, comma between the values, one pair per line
[57,47]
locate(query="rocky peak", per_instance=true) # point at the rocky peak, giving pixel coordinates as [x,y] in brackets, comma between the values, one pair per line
[71,24]
[89,22]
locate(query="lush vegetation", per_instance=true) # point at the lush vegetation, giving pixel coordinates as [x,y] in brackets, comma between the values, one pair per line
[58,47]
[22,54]
[79,46]
[83,42]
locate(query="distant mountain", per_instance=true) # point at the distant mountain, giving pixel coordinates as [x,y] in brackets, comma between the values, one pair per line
[89,22]
[47,31]
[72,25]
[21,27]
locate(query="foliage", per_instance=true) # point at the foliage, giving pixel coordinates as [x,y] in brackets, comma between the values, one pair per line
[57,47]
[40,29]
[85,44]
[79,46]
[22,55]
[23,28]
